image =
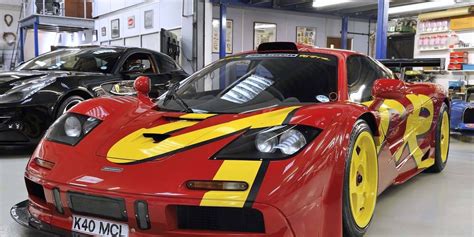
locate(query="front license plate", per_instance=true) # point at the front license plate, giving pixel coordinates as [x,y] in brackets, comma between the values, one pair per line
[98,227]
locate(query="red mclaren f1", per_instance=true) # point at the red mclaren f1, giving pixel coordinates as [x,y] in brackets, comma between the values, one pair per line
[284,141]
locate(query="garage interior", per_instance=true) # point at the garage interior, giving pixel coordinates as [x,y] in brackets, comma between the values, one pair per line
[197,33]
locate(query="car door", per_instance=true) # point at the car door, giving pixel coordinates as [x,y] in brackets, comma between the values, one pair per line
[404,122]
[361,75]
[138,64]
[391,114]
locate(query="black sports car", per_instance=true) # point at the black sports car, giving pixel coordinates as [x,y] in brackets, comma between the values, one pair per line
[40,90]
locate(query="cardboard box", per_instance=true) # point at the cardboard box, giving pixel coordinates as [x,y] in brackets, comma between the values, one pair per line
[460,54]
[462,23]
[458,60]
[454,66]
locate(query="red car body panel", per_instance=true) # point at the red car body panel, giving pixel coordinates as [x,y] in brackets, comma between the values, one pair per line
[298,196]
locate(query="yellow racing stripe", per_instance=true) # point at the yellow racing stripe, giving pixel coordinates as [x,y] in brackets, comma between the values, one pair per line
[133,147]
[232,170]
[196,116]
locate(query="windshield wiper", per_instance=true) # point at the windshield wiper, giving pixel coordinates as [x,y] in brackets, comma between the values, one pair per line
[172,95]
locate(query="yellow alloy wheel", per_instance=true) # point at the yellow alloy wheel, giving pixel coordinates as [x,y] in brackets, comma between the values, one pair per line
[363,179]
[444,141]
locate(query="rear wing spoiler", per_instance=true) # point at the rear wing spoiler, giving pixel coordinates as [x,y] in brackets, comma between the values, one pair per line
[416,62]
[401,65]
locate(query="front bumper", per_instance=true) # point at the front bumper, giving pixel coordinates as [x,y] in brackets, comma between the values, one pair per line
[465,129]
[23,124]
[22,216]
[42,214]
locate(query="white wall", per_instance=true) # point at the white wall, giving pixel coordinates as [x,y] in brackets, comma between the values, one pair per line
[166,14]
[8,7]
[46,39]
[243,21]
[101,7]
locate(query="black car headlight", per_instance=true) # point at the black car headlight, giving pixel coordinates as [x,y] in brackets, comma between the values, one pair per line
[25,89]
[271,143]
[71,128]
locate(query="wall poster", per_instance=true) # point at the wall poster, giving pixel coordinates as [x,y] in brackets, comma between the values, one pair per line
[216,36]
[115,28]
[264,32]
[306,35]
[148,19]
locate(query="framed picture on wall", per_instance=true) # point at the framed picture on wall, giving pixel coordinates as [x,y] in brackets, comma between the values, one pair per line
[115,28]
[148,21]
[216,36]
[306,35]
[264,32]
[103,31]
[94,36]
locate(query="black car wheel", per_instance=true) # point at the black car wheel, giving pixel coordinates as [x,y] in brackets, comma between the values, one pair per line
[68,103]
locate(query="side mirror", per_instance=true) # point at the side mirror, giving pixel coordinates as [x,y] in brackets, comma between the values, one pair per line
[388,88]
[143,87]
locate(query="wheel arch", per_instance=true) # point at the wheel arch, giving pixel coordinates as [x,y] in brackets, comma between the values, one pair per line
[448,104]
[370,119]
[77,92]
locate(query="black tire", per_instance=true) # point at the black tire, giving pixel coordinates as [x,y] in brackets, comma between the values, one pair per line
[350,227]
[68,103]
[439,164]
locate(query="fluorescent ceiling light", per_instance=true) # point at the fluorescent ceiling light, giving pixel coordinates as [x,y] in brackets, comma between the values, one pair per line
[419,7]
[325,3]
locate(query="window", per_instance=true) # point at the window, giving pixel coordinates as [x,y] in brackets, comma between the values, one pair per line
[165,64]
[361,75]
[139,63]
[256,81]
[75,59]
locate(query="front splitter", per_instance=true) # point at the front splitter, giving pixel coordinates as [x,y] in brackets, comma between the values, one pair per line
[22,216]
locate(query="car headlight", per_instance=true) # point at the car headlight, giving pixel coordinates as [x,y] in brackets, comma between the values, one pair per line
[71,128]
[272,143]
[25,89]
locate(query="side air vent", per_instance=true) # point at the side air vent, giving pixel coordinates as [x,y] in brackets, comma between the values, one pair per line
[35,190]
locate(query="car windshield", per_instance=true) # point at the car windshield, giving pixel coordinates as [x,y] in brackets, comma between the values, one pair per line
[75,59]
[250,82]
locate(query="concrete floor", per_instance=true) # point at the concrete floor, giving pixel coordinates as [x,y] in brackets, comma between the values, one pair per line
[428,205]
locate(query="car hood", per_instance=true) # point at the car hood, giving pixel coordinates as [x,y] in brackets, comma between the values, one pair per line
[7,78]
[156,135]
[462,103]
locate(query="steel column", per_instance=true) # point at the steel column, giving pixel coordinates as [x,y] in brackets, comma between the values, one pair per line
[344,27]
[22,45]
[35,35]
[222,30]
[382,25]
[222,42]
